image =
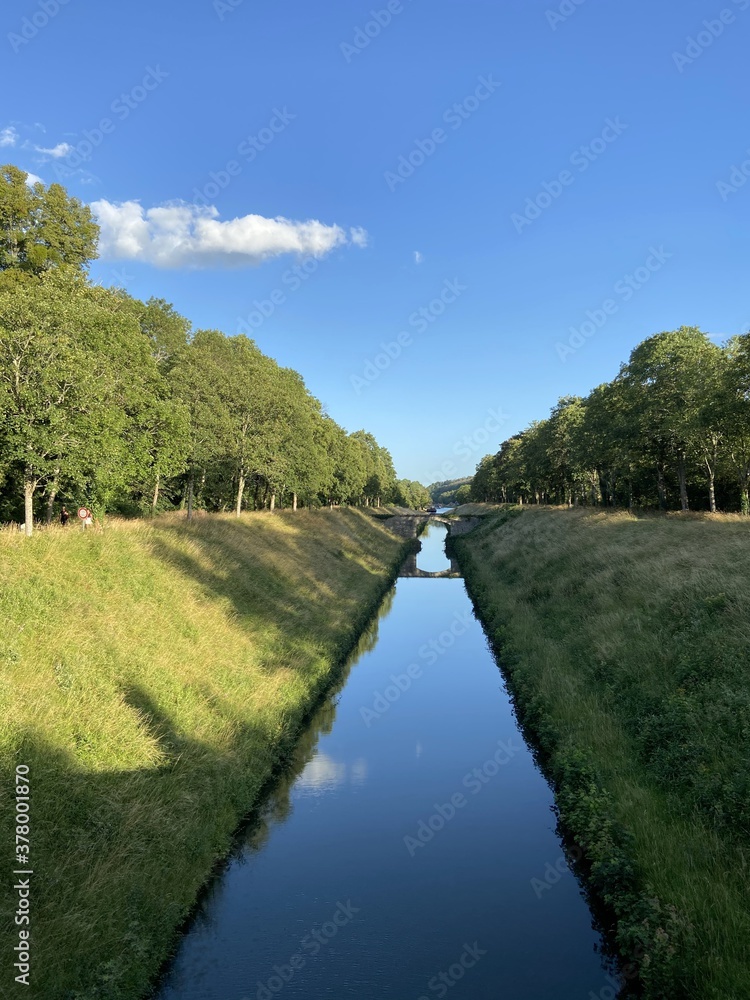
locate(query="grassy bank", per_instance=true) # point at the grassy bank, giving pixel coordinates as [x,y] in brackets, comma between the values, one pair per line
[152,677]
[625,641]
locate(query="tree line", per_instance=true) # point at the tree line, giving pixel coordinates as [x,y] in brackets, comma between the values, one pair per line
[671,431]
[120,405]
[449,492]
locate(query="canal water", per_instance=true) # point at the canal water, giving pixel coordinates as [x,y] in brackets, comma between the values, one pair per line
[409,851]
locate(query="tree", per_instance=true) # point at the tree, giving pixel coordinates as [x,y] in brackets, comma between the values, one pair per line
[294,453]
[167,331]
[712,415]
[52,389]
[737,401]
[486,484]
[246,390]
[349,465]
[117,403]
[197,382]
[662,382]
[380,474]
[609,441]
[680,406]
[42,228]
[409,493]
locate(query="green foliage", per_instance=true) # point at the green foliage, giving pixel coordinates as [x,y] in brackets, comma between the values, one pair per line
[671,430]
[463,493]
[408,493]
[117,404]
[443,494]
[42,228]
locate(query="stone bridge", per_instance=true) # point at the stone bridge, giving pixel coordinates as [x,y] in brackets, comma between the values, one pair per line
[408,526]
[410,568]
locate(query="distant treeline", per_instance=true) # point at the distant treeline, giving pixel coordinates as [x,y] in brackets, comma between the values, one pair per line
[118,404]
[672,431]
[450,491]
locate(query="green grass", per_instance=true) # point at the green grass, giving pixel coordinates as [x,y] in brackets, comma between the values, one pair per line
[625,641]
[152,677]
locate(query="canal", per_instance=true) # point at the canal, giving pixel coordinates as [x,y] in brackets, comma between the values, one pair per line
[409,850]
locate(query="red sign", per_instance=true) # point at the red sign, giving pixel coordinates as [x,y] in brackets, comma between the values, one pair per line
[83,513]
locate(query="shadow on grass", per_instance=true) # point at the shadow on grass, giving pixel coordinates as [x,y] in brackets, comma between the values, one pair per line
[122,854]
[255,572]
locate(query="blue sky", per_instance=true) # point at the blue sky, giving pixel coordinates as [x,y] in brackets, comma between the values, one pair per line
[631,127]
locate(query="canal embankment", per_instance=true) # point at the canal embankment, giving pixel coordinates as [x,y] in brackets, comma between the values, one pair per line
[154,677]
[624,642]
[411,849]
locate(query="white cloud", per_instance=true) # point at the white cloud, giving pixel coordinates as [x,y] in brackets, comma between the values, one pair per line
[359,236]
[186,235]
[8,136]
[58,151]
[32,179]
[418,258]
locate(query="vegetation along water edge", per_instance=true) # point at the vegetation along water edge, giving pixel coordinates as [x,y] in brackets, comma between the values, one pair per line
[156,674]
[624,642]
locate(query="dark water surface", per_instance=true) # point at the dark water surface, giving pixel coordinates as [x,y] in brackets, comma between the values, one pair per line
[410,851]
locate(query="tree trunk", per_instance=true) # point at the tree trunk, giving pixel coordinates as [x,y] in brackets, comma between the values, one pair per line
[745,501]
[711,492]
[598,488]
[613,490]
[29,485]
[683,484]
[52,495]
[240,491]
[272,505]
[191,493]
[660,486]
[199,494]
[155,499]
[294,501]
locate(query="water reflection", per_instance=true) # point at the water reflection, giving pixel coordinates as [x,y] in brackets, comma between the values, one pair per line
[333,831]
[431,558]
[321,775]
[309,772]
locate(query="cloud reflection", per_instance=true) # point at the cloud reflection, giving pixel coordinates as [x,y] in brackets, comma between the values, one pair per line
[324,774]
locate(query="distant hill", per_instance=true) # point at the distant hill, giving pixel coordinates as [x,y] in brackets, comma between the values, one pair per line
[444,494]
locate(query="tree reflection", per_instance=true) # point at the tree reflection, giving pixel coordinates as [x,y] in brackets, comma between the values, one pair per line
[276,803]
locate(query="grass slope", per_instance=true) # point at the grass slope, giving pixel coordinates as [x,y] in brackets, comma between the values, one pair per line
[152,677]
[625,641]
